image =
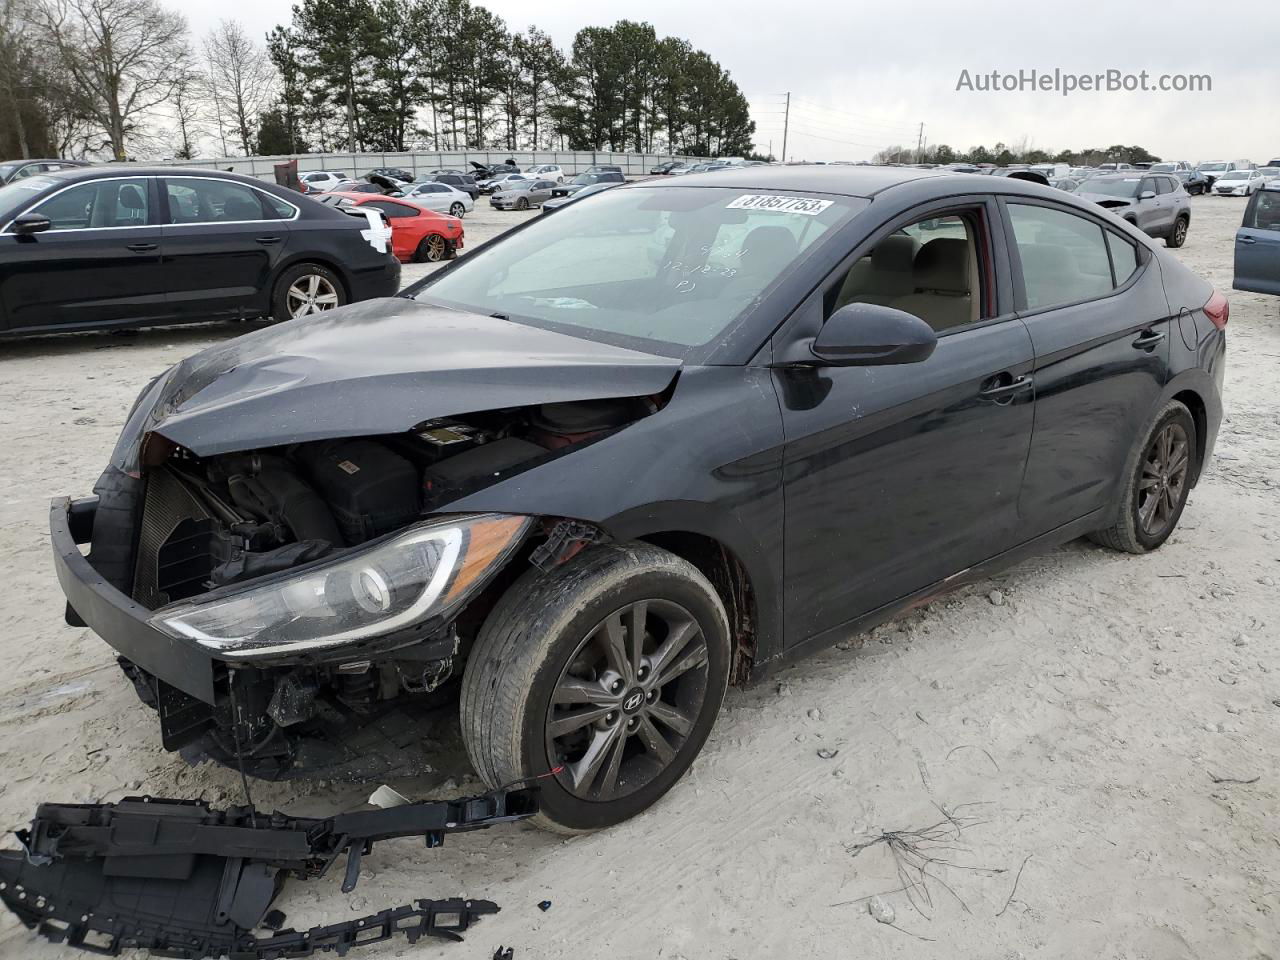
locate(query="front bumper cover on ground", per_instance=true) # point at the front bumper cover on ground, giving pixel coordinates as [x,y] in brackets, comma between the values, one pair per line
[179,878]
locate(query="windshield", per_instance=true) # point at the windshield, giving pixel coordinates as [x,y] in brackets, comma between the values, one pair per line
[1212,167]
[663,269]
[1162,167]
[1127,187]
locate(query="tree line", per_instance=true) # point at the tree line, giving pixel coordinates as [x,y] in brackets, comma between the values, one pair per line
[1005,154]
[125,78]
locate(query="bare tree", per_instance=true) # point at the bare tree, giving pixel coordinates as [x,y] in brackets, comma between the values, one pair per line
[241,81]
[121,57]
[186,115]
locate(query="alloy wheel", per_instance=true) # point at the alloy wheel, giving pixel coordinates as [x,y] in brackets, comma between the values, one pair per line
[457,210]
[1179,232]
[1163,483]
[627,700]
[435,248]
[310,294]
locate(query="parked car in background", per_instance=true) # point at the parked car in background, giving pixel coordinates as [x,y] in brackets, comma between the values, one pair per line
[395,173]
[1214,169]
[521,194]
[132,246]
[586,180]
[1069,184]
[1193,181]
[1155,203]
[544,171]
[1257,259]
[459,181]
[559,202]
[441,198]
[1037,367]
[1269,172]
[318,181]
[1114,167]
[1171,166]
[496,183]
[356,186]
[665,169]
[483,171]
[18,169]
[604,168]
[1238,183]
[418,234]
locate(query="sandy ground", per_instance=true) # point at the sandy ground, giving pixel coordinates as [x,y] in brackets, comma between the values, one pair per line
[1081,708]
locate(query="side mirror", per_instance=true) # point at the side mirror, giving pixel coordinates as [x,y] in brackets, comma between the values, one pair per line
[868,334]
[1147,195]
[30,223]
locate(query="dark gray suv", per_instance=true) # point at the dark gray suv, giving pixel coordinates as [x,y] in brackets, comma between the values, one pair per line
[1155,203]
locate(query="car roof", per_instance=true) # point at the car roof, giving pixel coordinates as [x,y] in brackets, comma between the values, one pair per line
[95,171]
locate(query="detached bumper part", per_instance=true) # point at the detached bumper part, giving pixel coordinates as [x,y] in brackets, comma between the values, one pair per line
[180,878]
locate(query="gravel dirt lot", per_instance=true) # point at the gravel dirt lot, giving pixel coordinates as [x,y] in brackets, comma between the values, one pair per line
[1111,723]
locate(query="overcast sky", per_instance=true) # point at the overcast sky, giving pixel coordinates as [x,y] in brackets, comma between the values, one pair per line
[863,76]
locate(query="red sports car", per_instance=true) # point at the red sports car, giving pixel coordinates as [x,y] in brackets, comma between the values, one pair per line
[417,234]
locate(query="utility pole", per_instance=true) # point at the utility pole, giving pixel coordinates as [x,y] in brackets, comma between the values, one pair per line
[920,145]
[786,121]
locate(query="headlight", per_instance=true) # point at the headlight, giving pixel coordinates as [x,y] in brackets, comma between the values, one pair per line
[427,570]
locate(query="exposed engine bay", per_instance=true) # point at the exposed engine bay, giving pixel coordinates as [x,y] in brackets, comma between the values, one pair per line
[210,526]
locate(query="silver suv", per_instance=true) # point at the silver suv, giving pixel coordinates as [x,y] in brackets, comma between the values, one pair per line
[1155,203]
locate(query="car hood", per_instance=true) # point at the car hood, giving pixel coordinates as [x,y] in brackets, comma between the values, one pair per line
[382,366]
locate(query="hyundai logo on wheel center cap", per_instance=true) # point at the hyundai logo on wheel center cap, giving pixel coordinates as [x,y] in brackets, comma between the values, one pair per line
[633,701]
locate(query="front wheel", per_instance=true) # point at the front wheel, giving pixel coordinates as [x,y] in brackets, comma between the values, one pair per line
[522,204]
[304,289]
[1160,473]
[457,210]
[603,677]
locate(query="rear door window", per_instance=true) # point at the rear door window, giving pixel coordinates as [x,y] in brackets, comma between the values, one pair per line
[212,201]
[1124,257]
[1064,257]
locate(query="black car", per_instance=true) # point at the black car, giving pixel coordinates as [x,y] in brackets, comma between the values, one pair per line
[559,201]
[395,173]
[18,169]
[585,180]
[623,456]
[459,181]
[482,171]
[104,247]
[662,169]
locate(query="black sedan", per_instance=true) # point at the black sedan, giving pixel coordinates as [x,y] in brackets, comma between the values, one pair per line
[103,247]
[585,180]
[626,455]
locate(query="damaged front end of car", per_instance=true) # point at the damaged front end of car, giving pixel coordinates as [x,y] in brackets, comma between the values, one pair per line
[272,550]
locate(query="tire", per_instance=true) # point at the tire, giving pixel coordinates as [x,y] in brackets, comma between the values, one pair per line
[1178,235]
[1130,533]
[304,289]
[522,204]
[432,249]
[457,210]
[545,642]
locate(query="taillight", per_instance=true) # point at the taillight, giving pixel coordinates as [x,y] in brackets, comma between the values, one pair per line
[1218,310]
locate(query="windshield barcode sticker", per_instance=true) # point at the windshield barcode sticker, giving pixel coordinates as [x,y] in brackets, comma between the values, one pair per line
[809,206]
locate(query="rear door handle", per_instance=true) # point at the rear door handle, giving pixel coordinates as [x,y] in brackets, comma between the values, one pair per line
[1002,387]
[1148,340]
[141,247]
[267,240]
[1245,240]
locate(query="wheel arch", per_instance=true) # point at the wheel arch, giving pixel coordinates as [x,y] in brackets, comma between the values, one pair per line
[320,261]
[1200,416]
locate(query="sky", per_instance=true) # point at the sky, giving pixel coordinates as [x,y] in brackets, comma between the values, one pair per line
[866,76]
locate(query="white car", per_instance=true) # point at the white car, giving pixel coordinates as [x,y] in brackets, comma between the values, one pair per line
[440,197]
[1238,183]
[322,180]
[544,171]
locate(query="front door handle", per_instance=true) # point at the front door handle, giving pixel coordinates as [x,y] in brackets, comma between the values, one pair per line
[1148,340]
[1002,387]
[142,247]
[1245,240]
[267,240]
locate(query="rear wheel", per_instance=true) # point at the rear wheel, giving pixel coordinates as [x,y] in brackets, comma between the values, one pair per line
[1178,235]
[606,673]
[457,210]
[432,249]
[304,289]
[1160,473]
